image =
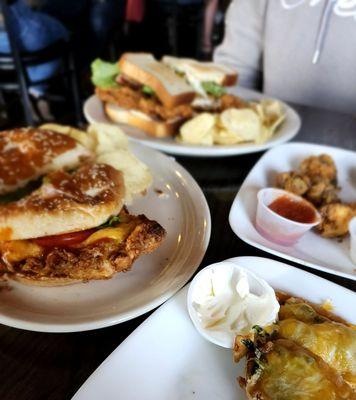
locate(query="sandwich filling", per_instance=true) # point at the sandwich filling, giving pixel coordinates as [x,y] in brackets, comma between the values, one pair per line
[114,87]
[73,227]
[96,253]
[125,96]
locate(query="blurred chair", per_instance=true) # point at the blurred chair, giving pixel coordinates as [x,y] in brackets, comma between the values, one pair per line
[180,23]
[14,77]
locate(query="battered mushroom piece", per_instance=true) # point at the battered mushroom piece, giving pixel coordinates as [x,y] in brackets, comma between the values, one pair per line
[293,182]
[335,219]
[319,168]
[323,193]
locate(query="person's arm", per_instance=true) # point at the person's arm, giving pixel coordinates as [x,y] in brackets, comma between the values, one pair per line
[242,47]
[210,9]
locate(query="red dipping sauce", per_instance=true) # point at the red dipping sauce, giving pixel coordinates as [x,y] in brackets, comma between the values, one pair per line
[298,211]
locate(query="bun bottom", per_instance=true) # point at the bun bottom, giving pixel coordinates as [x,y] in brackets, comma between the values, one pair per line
[154,128]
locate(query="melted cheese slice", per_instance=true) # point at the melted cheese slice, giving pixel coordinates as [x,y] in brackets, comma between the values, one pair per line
[17,250]
[118,233]
[333,342]
[295,375]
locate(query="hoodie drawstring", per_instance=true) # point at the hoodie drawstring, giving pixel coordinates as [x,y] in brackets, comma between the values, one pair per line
[322,31]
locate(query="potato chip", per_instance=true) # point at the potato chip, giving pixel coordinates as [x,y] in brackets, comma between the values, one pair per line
[80,136]
[266,134]
[245,123]
[225,137]
[137,176]
[256,123]
[257,107]
[272,108]
[107,137]
[111,147]
[198,130]
[273,114]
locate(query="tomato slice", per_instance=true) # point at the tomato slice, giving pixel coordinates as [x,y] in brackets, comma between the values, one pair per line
[65,240]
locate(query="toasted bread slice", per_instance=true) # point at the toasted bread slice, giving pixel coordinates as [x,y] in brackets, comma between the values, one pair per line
[171,89]
[159,129]
[28,153]
[94,258]
[65,203]
[203,71]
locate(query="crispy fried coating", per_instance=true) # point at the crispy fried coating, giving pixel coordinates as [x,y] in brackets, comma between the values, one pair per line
[99,260]
[322,193]
[315,180]
[129,98]
[335,219]
[293,182]
[319,168]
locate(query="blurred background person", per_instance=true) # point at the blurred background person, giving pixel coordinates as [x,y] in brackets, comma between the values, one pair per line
[295,50]
[210,10]
[94,24]
[174,27]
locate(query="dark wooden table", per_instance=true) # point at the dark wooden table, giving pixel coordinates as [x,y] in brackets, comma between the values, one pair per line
[54,366]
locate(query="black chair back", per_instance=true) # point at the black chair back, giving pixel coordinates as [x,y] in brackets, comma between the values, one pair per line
[20,69]
[18,61]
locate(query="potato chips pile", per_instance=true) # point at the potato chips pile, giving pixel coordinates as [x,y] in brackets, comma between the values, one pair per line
[110,146]
[256,124]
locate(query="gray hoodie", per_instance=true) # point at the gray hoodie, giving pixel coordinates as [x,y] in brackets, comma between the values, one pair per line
[303,51]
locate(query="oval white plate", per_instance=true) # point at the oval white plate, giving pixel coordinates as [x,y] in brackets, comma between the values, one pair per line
[94,112]
[312,250]
[166,358]
[181,209]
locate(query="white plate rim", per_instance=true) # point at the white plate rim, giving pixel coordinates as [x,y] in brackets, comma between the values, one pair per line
[209,151]
[240,233]
[150,305]
[321,282]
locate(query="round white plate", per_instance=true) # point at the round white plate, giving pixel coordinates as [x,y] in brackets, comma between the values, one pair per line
[181,209]
[94,112]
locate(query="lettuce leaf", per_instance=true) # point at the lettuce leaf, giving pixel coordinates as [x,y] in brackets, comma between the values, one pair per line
[103,73]
[214,89]
[147,90]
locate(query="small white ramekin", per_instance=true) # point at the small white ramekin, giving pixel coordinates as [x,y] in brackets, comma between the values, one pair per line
[276,228]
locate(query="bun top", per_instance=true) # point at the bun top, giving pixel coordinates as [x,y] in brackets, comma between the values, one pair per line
[171,89]
[28,153]
[65,203]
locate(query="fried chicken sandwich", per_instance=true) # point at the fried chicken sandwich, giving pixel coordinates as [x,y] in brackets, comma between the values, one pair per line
[62,213]
[159,96]
[142,92]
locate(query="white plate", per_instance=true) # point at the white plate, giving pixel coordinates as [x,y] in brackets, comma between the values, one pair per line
[312,250]
[94,112]
[166,358]
[181,209]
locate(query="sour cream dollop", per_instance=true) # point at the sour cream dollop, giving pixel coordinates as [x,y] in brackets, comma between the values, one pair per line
[225,300]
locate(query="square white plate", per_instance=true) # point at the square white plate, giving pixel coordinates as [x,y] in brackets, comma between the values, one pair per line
[165,358]
[312,250]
